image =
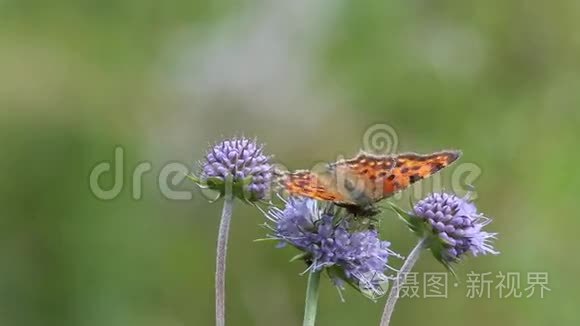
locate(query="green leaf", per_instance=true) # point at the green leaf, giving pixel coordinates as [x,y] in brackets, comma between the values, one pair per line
[240,190]
[414,223]
[265,239]
[438,247]
[194,178]
[300,256]
[239,187]
[216,184]
[422,228]
[335,272]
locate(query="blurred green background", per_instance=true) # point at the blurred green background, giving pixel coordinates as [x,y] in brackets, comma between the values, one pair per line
[499,80]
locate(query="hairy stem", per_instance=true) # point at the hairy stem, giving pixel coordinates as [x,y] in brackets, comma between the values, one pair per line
[221,254]
[311,304]
[396,285]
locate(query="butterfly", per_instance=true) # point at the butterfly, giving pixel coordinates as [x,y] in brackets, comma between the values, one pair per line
[360,182]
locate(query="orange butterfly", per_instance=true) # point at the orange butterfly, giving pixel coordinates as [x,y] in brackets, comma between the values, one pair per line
[360,182]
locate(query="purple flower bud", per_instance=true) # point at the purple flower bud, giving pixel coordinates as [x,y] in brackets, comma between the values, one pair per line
[456,221]
[328,242]
[240,158]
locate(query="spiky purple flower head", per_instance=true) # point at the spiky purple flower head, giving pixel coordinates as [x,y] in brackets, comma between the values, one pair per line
[243,159]
[359,257]
[457,223]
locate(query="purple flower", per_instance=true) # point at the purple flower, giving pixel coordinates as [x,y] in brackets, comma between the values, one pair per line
[457,223]
[241,158]
[327,242]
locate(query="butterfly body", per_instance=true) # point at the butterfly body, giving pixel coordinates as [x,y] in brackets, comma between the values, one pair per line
[358,183]
[361,210]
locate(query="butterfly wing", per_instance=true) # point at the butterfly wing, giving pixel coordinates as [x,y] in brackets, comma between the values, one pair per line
[380,176]
[347,182]
[410,168]
[366,178]
[359,178]
[313,185]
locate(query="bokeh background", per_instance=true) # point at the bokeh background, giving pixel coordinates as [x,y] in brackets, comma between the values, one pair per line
[163,79]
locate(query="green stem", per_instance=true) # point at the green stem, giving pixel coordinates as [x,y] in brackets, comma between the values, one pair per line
[311,304]
[400,281]
[221,254]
